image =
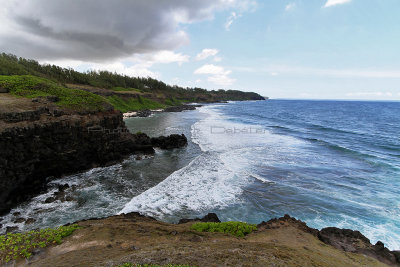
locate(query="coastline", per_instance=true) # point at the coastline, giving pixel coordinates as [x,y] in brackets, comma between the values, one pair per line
[133,238]
[376,247]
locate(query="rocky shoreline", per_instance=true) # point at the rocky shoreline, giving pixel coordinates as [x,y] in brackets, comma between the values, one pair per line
[138,239]
[39,142]
[149,112]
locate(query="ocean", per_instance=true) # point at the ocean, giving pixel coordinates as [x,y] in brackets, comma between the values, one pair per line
[328,163]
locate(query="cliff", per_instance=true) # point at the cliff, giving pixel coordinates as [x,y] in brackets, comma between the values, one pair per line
[39,140]
[132,238]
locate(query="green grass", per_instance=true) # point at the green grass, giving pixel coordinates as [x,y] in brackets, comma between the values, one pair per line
[238,229]
[31,87]
[173,102]
[123,89]
[133,104]
[21,245]
[152,265]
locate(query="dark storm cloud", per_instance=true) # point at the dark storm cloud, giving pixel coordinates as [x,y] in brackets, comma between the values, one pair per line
[97,30]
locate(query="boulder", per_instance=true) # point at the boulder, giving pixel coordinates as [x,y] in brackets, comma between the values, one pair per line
[3,90]
[169,142]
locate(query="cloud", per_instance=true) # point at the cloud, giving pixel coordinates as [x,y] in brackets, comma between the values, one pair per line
[136,65]
[205,53]
[218,75]
[231,19]
[290,6]
[101,30]
[330,3]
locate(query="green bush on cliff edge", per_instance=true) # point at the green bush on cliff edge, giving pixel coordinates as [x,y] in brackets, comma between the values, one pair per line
[21,245]
[238,229]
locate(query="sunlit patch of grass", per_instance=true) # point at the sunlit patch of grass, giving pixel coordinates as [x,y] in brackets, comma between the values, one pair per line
[238,229]
[21,245]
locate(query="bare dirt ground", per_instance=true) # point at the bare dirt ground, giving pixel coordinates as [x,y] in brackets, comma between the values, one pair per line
[10,103]
[136,239]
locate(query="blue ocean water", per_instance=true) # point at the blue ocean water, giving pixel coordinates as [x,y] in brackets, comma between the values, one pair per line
[328,163]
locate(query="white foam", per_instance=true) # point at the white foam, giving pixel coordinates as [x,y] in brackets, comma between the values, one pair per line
[205,183]
[215,178]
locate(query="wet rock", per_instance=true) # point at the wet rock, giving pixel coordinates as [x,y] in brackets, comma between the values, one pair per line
[11,229]
[211,217]
[17,213]
[30,221]
[59,195]
[169,142]
[19,220]
[50,200]
[58,147]
[138,158]
[69,198]
[63,187]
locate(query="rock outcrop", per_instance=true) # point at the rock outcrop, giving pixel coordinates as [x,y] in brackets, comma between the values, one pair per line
[169,142]
[343,239]
[37,143]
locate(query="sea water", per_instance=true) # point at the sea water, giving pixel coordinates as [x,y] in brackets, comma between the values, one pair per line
[328,163]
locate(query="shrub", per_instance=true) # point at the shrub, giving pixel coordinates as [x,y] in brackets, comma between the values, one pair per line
[21,245]
[238,229]
[133,104]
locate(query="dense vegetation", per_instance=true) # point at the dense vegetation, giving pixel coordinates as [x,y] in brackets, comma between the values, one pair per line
[12,65]
[129,104]
[238,229]
[21,245]
[33,87]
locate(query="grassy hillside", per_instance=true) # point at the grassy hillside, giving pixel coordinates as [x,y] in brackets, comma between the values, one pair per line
[33,87]
[28,78]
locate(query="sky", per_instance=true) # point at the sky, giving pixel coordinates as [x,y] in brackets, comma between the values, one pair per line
[302,49]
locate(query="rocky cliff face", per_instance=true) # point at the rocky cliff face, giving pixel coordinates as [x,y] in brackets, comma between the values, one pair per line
[45,146]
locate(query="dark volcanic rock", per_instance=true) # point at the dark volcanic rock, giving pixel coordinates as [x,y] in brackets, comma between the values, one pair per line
[211,217]
[30,221]
[285,221]
[19,220]
[354,241]
[344,239]
[169,142]
[60,146]
[143,113]
[11,229]
[181,108]
[63,187]
[50,200]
